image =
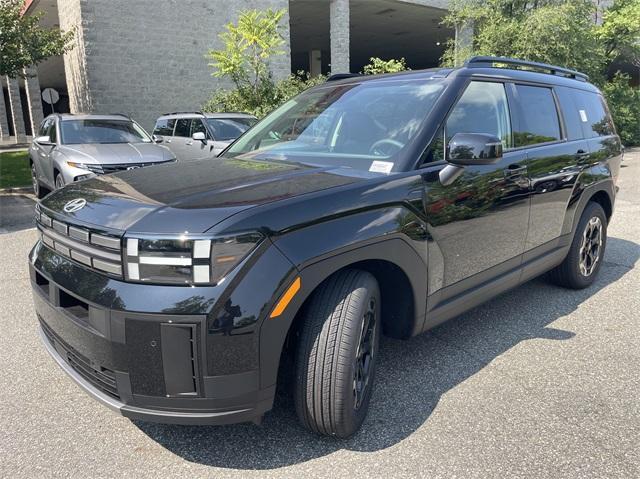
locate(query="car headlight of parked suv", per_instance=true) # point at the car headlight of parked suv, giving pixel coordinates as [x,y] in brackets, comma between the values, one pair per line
[185,260]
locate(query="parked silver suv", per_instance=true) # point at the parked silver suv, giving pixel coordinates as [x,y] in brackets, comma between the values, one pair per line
[69,148]
[196,135]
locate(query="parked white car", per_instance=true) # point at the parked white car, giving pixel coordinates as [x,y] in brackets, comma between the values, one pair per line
[195,135]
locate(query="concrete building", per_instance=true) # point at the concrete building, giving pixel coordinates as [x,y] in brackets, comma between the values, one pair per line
[147,57]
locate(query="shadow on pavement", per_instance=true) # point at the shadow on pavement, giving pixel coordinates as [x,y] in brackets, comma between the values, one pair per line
[411,378]
[16,212]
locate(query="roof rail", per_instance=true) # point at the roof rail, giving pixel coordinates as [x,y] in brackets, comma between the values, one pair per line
[487,61]
[342,76]
[184,113]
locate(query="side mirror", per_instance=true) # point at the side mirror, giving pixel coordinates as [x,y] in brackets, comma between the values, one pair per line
[44,140]
[158,138]
[474,149]
[199,136]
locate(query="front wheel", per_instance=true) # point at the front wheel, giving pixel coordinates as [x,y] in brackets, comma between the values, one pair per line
[337,352]
[59,181]
[584,260]
[38,190]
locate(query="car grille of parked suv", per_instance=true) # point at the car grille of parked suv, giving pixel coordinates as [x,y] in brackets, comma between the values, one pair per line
[103,379]
[95,250]
[106,168]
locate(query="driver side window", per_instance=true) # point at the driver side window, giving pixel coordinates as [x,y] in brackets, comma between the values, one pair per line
[482,108]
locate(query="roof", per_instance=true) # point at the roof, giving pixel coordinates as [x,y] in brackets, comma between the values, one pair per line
[91,116]
[510,69]
[186,114]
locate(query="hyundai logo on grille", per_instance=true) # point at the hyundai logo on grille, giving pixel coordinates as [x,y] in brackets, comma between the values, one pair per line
[75,205]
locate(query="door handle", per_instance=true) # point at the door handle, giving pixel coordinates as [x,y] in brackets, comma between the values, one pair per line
[514,170]
[188,142]
[582,155]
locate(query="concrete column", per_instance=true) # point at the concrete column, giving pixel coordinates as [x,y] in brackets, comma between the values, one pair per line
[339,34]
[32,87]
[4,114]
[315,63]
[17,118]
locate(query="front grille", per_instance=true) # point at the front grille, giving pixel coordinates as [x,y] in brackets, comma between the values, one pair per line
[84,245]
[106,168]
[102,378]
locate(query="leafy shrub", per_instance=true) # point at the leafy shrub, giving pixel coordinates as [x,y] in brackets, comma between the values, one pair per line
[624,103]
[377,66]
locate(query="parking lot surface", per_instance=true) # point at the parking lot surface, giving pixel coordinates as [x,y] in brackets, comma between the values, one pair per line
[540,382]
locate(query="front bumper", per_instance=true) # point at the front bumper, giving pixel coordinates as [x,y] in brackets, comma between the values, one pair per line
[184,360]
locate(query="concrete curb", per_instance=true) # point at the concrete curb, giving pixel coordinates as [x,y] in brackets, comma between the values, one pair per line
[17,190]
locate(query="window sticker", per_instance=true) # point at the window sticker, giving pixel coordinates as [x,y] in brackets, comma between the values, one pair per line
[583,116]
[381,167]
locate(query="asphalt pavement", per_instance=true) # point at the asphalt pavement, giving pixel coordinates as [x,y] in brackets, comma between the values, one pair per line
[539,382]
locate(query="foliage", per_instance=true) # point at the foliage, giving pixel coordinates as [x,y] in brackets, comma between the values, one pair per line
[560,32]
[624,103]
[620,31]
[377,66]
[248,47]
[271,96]
[23,42]
[14,169]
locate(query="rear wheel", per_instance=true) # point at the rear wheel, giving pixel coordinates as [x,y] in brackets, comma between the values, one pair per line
[582,264]
[337,352]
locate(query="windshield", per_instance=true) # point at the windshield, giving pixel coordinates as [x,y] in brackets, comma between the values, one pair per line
[364,125]
[74,132]
[225,129]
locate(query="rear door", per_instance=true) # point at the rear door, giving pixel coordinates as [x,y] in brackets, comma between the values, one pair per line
[555,150]
[182,141]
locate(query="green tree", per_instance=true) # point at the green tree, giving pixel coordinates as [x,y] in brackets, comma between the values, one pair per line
[23,42]
[248,47]
[245,59]
[624,103]
[377,66]
[620,31]
[561,32]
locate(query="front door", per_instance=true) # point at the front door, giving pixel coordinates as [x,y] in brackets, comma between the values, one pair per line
[478,223]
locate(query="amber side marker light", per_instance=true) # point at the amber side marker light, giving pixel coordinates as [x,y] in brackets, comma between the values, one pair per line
[286,299]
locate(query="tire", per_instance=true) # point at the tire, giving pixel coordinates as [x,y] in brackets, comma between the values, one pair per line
[579,269]
[38,190]
[329,397]
[59,181]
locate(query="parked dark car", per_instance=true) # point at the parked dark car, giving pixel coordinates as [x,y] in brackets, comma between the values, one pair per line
[365,206]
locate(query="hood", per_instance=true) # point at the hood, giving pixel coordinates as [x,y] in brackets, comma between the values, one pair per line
[116,153]
[190,196]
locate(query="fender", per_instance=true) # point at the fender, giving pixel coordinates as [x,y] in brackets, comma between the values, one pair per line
[590,182]
[312,250]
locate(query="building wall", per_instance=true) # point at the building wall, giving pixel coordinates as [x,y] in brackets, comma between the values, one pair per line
[147,57]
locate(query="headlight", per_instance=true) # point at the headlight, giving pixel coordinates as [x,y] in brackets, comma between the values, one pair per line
[86,166]
[185,260]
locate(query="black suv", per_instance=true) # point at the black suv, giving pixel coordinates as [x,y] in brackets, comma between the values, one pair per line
[365,206]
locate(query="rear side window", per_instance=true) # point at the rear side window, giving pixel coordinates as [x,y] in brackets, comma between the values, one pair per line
[164,127]
[183,125]
[538,116]
[594,116]
[572,120]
